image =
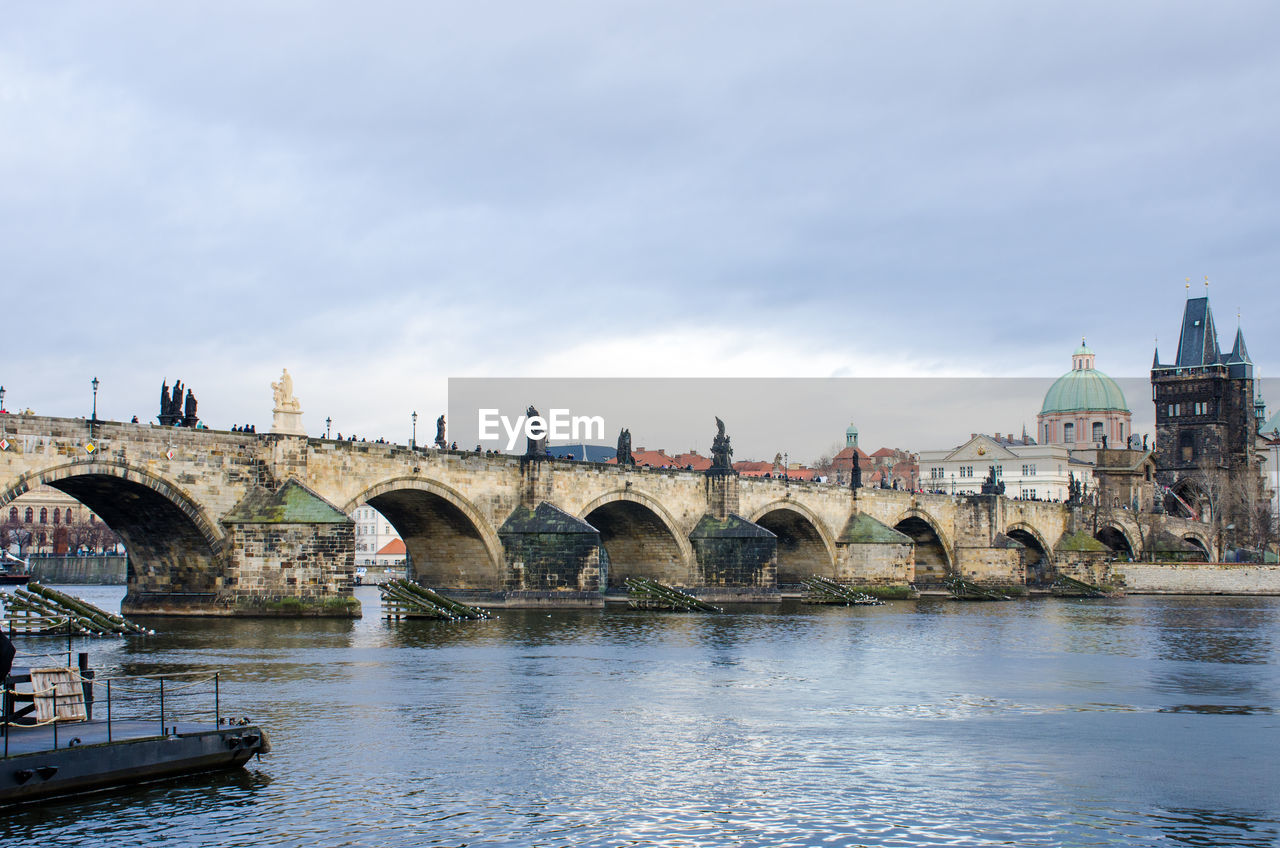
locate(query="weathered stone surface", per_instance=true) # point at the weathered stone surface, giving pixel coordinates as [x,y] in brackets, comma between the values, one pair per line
[172,495]
[547,549]
[732,551]
[1198,578]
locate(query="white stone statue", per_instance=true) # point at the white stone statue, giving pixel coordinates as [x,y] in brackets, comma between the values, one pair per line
[285,401]
[288,410]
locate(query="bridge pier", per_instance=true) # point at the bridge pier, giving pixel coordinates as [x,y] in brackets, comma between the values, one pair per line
[551,557]
[287,553]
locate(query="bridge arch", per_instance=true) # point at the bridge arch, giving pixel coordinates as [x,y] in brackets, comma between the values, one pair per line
[450,543]
[640,538]
[1039,570]
[1117,538]
[172,545]
[934,551]
[1201,544]
[805,547]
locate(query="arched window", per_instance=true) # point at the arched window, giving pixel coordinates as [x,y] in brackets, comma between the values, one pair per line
[44,519]
[13,514]
[30,515]
[57,515]
[69,515]
[1097,431]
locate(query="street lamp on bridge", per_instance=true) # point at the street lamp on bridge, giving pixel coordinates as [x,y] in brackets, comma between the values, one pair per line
[413,441]
[95,399]
[1,398]
[328,425]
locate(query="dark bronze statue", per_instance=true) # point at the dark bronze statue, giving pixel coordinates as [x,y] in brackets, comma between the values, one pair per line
[163,417]
[189,417]
[721,450]
[535,447]
[625,459]
[855,474]
[989,485]
[440,440]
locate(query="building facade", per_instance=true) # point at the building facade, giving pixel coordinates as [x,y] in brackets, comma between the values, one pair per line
[1028,470]
[47,521]
[373,533]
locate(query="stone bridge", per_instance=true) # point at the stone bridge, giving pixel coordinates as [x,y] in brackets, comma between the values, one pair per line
[220,522]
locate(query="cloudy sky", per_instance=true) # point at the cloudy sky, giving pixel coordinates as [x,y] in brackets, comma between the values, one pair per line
[384,195]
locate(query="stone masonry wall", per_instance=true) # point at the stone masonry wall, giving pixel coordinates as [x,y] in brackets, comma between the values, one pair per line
[297,560]
[1198,578]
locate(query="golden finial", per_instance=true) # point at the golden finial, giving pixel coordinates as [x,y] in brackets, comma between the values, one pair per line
[1206,283]
[1188,287]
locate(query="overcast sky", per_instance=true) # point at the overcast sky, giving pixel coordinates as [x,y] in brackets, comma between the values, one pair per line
[380,196]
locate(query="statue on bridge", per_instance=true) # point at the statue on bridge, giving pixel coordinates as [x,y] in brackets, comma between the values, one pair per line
[440,440]
[989,485]
[170,405]
[536,448]
[721,451]
[288,409]
[1075,491]
[625,459]
[189,417]
[855,473]
[283,391]
[163,417]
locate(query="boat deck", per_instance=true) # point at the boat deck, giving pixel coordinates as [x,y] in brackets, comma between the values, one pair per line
[31,740]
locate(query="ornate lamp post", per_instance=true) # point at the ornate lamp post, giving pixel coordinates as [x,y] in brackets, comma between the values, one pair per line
[328,426]
[413,442]
[1,398]
[95,399]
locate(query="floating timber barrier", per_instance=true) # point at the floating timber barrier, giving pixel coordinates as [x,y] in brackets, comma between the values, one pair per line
[651,595]
[1069,587]
[406,599]
[964,590]
[823,590]
[40,610]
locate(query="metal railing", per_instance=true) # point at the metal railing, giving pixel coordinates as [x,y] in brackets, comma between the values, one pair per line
[164,699]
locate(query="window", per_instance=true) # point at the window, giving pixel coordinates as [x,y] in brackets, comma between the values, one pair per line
[68,515]
[1097,431]
[1068,432]
[44,518]
[13,514]
[29,515]
[57,516]
[1187,446]
[966,471]
[999,470]
[1028,471]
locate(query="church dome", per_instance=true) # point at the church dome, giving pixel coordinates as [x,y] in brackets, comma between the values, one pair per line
[1084,388]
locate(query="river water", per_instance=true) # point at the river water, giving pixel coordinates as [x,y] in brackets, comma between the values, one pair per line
[1135,721]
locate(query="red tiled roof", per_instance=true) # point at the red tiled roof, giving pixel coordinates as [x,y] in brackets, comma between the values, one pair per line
[393,548]
[847,454]
[884,452]
[693,460]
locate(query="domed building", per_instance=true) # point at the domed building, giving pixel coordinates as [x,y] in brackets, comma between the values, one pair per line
[1083,406]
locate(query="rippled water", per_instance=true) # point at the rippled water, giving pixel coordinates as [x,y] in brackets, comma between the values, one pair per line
[1136,721]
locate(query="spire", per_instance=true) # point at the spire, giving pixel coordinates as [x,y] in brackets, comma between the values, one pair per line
[1155,360]
[1239,353]
[1198,341]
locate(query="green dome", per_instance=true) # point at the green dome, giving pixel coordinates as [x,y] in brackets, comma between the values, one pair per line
[852,431]
[1084,389]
